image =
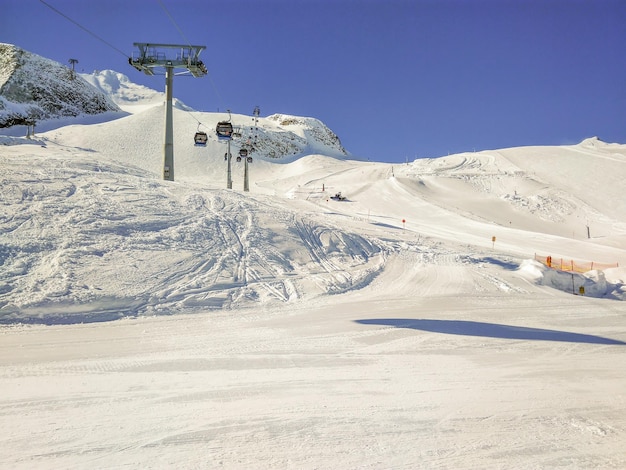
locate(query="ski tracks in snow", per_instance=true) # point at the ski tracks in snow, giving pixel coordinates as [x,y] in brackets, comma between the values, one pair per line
[243,262]
[141,246]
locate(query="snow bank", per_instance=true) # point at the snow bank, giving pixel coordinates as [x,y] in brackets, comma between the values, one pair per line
[592,283]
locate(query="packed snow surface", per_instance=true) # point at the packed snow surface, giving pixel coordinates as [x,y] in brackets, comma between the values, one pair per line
[157,324]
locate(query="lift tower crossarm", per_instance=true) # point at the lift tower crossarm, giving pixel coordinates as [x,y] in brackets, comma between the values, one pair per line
[184,57]
[152,55]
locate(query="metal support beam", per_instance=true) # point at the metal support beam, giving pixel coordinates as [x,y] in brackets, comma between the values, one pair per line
[229,173]
[151,56]
[246,185]
[168,147]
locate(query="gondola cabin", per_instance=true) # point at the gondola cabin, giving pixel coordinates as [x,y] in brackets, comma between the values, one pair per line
[200,139]
[224,130]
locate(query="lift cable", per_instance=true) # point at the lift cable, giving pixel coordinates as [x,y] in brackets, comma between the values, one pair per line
[219,96]
[98,37]
[180,31]
[85,29]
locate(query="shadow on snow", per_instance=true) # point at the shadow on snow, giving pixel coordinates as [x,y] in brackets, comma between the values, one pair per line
[510,265]
[489,330]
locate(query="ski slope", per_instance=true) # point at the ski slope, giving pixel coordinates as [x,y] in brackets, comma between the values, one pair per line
[156,324]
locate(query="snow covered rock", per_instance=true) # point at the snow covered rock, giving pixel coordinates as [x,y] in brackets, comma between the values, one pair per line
[310,130]
[592,142]
[33,88]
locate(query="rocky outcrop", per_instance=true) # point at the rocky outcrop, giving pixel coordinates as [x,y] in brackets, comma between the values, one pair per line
[33,88]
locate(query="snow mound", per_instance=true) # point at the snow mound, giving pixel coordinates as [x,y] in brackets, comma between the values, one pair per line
[592,142]
[593,283]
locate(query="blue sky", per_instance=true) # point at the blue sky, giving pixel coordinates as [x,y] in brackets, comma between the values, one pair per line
[395,79]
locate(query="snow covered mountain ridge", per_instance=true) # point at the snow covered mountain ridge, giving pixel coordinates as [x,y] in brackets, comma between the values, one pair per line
[33,88]
[36,89]
[129,96]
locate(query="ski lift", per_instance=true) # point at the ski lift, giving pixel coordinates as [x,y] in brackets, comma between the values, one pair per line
[200,138]
[224,130]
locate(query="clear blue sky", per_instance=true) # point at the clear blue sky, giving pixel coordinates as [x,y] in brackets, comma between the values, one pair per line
[395,79]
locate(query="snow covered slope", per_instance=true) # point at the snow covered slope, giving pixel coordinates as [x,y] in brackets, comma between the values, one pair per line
[407,326]
[84,198]
[91,232]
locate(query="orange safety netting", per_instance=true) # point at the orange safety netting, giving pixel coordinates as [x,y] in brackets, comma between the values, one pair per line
[572,265]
